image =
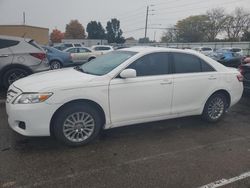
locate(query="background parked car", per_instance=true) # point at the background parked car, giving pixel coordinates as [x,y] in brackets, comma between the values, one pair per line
[227,58]
[204,50]
[58,59]
[82,55]
[64,46]
[20,57]
[234,50]
[102,48]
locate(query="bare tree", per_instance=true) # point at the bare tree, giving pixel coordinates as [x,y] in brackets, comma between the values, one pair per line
[216,21]
[169,35]
[236,24]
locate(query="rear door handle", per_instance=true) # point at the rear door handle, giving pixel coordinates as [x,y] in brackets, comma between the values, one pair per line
[166,82]
[4,55]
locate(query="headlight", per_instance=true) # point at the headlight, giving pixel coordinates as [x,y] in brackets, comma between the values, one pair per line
[30,98]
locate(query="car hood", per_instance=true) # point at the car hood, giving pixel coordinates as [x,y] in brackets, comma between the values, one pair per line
[54,80]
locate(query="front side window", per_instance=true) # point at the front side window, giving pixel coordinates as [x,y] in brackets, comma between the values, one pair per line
[187,63]
[4,43]
[151,64]
[106,63]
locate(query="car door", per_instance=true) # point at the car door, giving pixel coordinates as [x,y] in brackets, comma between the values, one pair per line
[146,96]
[194,80]
[84,54]
[6,56]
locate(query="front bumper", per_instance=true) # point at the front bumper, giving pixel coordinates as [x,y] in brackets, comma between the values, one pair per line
[36,117]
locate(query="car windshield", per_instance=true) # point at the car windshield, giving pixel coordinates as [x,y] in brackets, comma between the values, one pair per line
[106,63]
[206,49]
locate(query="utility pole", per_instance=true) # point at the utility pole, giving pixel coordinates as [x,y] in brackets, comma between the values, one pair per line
[24,18]
[146,26]
[147,14]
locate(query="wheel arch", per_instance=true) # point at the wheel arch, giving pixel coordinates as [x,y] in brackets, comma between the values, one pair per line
[59,60]
[11,66]
[225,93]
[77,101]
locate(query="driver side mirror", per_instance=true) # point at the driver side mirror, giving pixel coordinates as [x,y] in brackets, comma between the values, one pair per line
[128,73]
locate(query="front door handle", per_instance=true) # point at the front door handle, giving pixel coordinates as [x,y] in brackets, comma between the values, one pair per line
[212,78]
[4,55]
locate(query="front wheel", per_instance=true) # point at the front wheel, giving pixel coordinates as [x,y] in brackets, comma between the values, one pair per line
[215,108]
[77,124]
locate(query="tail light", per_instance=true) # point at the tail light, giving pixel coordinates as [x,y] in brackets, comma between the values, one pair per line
[240,77]
[41,56]
[241,69]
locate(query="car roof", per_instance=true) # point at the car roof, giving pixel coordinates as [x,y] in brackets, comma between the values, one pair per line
[102,46]
[14,38]
[147,49]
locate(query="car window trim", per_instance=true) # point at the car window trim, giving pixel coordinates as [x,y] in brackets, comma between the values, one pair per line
[170,70]
[173,64]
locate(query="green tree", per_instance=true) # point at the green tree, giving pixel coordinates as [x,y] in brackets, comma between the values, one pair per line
[114,32]
[75,30]
[95,30]
[192,29]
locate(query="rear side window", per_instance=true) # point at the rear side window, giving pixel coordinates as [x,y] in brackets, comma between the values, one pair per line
[68,45]
[34,44]
[186,63]
[152,64]
[206,49]
[8,43]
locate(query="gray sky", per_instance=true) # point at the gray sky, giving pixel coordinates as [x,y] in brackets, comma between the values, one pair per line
[57,13]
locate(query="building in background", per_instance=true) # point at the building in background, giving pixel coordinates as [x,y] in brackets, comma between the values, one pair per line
[39,34]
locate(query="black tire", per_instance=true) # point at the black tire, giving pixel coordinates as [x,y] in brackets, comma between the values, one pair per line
[66,112]
[91,58]
[55,65]
[215,108]
[13,75]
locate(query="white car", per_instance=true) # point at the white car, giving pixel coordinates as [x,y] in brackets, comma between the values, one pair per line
[102,48]
[123,87]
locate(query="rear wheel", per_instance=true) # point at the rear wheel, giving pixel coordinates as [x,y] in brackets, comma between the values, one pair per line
[55,65]
[13,75]
[215,108]
[77,124]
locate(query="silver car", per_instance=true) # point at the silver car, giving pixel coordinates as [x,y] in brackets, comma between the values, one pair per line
[20,57]
[82,55]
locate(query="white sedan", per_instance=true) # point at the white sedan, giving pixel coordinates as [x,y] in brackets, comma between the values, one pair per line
[123,87]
